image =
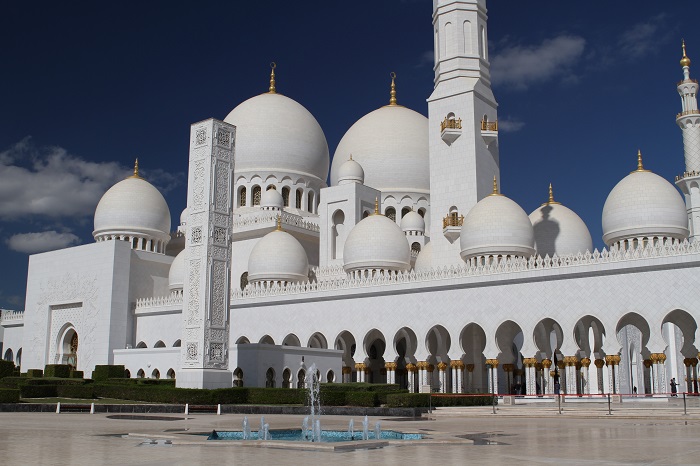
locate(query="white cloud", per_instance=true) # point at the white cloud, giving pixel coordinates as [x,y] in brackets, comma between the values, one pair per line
[510,126]
[32,243]
[426,58]
[50,182]
[642,38]
[521,66]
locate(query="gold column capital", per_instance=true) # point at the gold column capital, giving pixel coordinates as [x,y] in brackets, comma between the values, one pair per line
[546,363]
[411,367]
[492,362]
[529,362]
[390,366]
[457,364]
[347,370]
[442,366]
[585,362]
[430,368]
[469,367]
[360,366]
[599,363]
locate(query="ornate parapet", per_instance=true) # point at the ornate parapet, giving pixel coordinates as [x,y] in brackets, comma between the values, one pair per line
[268,219]
[173,299]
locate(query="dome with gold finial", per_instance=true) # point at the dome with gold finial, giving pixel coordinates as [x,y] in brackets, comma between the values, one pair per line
[644,205]
[558,230]
[685,61]
[376,243]
[275,134]
[496,226]
[134,210]
[391,145]
[278,258]
[351,172]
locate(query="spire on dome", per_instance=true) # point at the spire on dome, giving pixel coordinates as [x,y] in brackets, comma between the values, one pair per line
[376,206]
[685,61]
[495,188]
[279,223]
[392,100]
[136,170]
[551,200]
[273,89]
[640,165]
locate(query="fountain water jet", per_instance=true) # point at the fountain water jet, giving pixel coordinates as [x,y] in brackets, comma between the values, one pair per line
[351,429]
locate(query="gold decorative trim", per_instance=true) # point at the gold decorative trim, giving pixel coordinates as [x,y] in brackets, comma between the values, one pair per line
[599,363]
[392,99]
[136,170]
[273,87]
[390,366]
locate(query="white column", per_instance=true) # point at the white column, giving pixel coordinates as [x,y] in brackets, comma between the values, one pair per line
[360,368]
[442,376]
[530,376]
[571,378]
[492,374]
[411,374]
[587,382]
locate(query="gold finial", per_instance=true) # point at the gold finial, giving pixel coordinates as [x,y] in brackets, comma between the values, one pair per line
[551,197]
[685,61]
[279,223]
[273,89]
[640,166]
[495,188]
[350,157]
[136,170]
[392,100]
[376,206]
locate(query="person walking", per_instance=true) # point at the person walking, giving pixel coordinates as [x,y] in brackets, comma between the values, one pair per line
[674,385]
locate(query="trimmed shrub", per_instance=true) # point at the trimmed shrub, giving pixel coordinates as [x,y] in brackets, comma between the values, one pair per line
[53,381]
[230,396]
[37,391]
[7,368]
[35,373]
[8,395]
[166,382]
[104,372]
[75,391]
[485,400]
[408,400]
[76,374]
[276,396]
[364,399]
[333,397]
[422,400]
[57,370]
[12,382]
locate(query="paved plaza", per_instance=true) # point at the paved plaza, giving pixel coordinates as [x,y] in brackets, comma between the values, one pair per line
[635,433]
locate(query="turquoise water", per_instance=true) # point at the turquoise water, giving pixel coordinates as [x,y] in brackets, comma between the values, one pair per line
[295,435]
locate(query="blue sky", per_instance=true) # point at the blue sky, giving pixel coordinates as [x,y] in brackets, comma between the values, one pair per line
[89,86]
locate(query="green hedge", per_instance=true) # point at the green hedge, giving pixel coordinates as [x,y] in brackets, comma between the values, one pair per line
[276,396]
[75,391]
[35,373]
[7,368]
[332,393]
[166,382]
[8,395]
[333,398]
[57,370]
[37,391]
[422,400]
[485,400]
[52,381]
[12,382]
[104,372]
[76,374]
[364,399]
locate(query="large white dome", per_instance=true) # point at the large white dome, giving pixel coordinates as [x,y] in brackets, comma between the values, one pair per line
[176,276]
[643,204]
[496,225]
[391,145]
[558,230]
[424,261]
[376,243]
[276,134]
[132,207]
[278,257]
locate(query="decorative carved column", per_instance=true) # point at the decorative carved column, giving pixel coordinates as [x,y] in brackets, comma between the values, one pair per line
[411,374]
[422,377]
[585,364]
[570,363]
[442,374]
[206,295]
[390,372]
[530,376]
[347,374]
[457,367]
[492,374]
[599,365]
[659,370]
[508,369]
[547,377]
[360,369]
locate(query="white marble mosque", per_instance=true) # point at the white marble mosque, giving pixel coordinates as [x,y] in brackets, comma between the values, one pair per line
[411,267]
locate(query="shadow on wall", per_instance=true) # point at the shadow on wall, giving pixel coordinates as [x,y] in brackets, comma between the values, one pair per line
[546,233]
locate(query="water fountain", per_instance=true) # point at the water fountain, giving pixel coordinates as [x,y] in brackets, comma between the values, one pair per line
[246,429]
[313,387]
[351,429]
[305,428]
[377,431]
[365,429]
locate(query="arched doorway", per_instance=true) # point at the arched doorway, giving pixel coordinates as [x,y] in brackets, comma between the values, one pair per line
[68,348]
[270,378]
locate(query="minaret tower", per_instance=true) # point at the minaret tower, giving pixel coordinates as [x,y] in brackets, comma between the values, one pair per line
[463,132]
[689,122]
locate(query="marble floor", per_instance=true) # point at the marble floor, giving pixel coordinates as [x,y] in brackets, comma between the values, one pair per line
[522,434]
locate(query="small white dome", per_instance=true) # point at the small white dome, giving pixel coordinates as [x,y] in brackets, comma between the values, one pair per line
[176,276]
[376,243]
[558,230]
[391,144]
[496,225]
[276,134]
[133,207]
[271,199]
[424,261]
[278,256]
[351,172]
[183,216]
[413,221]
[643,204]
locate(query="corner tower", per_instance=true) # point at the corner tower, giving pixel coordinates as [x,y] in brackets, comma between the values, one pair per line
[463,131]
[689,122]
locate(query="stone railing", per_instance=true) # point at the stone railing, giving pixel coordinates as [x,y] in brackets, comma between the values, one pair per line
[173,299]
[510,265]
[489,125]
[7,316]
[266,217]
[689,174]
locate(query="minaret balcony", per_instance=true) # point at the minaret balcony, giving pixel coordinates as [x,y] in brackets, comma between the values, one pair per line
[489,130]
[452,226]
[688,112]
[450,129]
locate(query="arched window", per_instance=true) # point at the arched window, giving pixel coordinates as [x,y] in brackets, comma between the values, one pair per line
[141,374]
[415,248]
[390,213]
[159,344]
[421,212]
[286,378]
[299,194]
[311,202]
[330,377]
[256,195]
[244,280]
[285,196]
[301,378]
[270,186]
[177,344]
[365,214]
[404,211]
[238,377]
[9,356]
[155,374]
[270,378]
[18,358]
[127,373]
[241,196]
[142,345]
[170,374]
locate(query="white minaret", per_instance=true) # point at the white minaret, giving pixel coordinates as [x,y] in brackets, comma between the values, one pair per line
[463,130]
[689,122]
